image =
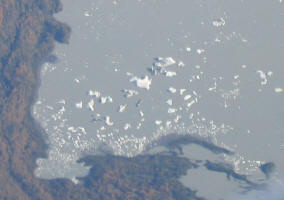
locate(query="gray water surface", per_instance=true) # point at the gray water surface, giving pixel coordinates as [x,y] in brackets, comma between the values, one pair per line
[111,90]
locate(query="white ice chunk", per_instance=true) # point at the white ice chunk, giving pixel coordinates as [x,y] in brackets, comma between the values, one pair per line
[103,100]
[188,49]
[190,103]
[172,90]
[269,73]
[109,99]
[94,93]
[144,82]
[87,14]
[129,93]
[278,90]
[219,22]
[164,62]
[127,126]
[62,101]
[181,91]
[169,102]
[158,122]
[178,117]
[172,110]
[168,124]
[262,75]
[181,64]
[141,113]
[186,97]
[108,122]
[122,108]
[91,105]
[79,104]
[200,51]
[170,73]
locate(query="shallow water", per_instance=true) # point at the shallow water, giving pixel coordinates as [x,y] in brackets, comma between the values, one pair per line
[225,83]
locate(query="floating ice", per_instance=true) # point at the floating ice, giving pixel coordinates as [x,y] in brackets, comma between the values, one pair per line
[87,14]
[94,93]
[108,122]
[190,103]
[269,73]
[39,102]
[278,90]
[158,122]
[169,102]
[161,64]
[122,108]
[129,93]
[262,75]
[178,117]
[104,100]
[219,22]
[186,97]
[181,91]
[172,90]
[181,64]
[144,82]
[62,101]
[79,104]
[188,49]
[91,105]
[127,126]
[172,110]
[164,62]
[141,113]
[170,73]
[200,51]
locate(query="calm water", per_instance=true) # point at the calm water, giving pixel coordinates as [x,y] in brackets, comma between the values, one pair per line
[137,70]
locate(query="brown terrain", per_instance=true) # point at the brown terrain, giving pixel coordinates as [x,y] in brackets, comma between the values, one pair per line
[28,32]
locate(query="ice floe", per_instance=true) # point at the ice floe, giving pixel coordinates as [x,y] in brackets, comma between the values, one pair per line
[172,110]
[107,99]
[144,82]
[219,22]
[158,122]
[164,62]
[62,101]
[278,90]
[169,102]
[181,64]
[190,103]
[262,75]
[187,97]
[200,51]
[127,126]
[91,104]
[160,66]
[170,73]
[79,104]
[172,90]
[94,93]
[188,49]
[122,108]
[108,121]
[129,93]
[181,91]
